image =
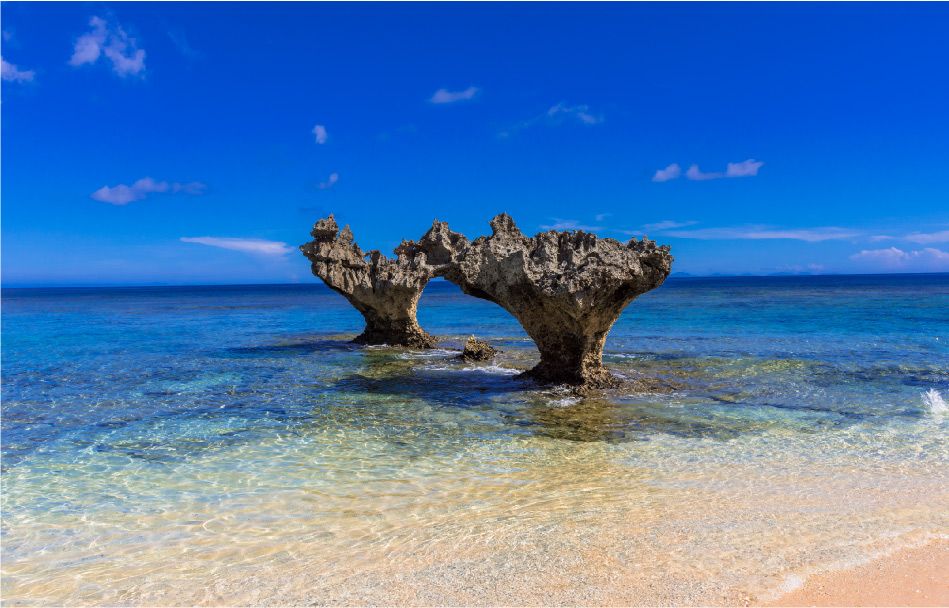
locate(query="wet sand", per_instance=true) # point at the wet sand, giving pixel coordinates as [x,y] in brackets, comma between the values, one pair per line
[909,577]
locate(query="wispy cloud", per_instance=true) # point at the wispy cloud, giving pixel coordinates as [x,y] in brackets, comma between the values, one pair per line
[811,235]
[798,269]
[560,224]
[556,115]
[446,96]
[10,72]
[928,259]
[123,195]
[667,224]
[581,113]
[181,43]
[602,216]
[334,177]
[255,246]
[933,237]
[748,168]
[673,171]
[114,43]
[320,132]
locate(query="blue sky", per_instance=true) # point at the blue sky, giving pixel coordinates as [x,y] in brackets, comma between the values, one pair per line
[182,143]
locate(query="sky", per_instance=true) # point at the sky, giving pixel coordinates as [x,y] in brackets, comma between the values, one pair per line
[197,143]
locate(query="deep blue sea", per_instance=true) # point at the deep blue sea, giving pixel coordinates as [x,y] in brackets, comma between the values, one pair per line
[227,445]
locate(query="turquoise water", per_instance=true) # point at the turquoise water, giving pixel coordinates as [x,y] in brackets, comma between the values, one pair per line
[208,445]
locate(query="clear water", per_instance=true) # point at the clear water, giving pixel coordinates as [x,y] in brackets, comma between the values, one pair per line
[225,445]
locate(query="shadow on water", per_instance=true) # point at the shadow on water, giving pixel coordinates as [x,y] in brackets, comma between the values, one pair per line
[447,388]
[293,349]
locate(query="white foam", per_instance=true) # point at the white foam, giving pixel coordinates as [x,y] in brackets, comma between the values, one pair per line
[564,402]
[934,402]
[427,354]
[485,369]
[492,369]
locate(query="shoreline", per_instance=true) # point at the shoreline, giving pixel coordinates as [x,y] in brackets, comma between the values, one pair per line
[912,576]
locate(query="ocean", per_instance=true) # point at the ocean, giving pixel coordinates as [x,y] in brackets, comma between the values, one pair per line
[226,445]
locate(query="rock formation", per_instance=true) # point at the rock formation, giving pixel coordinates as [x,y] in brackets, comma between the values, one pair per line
[565,288]
[385,291]
[477,350]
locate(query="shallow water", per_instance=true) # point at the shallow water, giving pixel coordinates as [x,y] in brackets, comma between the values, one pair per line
[226,445]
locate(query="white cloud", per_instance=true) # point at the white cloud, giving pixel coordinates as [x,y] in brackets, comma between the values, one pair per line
[581,113]
[934,237]
[320,132]
[560,224]
[555,116]
[123,195]
[671,172]
[602,216]
[10,72]
[811,235]
[446,96]
[112,42]
[255,246]
[667,224]
[695,175]
[798,269]
[896,259]
[189,188]
[334,177]
[748,168]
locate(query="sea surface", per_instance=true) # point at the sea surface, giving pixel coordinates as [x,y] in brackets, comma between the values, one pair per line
[227,445]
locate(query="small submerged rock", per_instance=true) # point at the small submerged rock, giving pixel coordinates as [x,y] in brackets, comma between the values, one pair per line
[477,350]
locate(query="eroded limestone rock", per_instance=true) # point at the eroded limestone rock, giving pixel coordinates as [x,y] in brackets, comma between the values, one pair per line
[565,288]
[385,291]
[477,350]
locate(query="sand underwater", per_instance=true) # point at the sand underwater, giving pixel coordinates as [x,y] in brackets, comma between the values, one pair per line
[225,445]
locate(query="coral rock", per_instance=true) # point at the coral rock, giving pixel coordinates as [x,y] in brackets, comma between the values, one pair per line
[385,291]
[477,350]
[565,288]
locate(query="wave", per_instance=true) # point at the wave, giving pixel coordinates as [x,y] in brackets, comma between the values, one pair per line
[934,402]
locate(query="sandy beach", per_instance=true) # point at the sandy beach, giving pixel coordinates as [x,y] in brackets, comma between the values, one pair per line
[910,577]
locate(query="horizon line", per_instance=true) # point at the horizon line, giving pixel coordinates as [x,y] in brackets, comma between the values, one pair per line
[681,275]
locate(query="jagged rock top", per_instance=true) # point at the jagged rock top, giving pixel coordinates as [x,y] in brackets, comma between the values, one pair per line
[553,262]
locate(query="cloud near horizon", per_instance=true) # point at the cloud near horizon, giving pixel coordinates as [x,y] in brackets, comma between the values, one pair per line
[253,246]
[320,132]
[446,96]
[811,235]
[112,42]
[928,259]
[667,224]
[123,195]
[11,73]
